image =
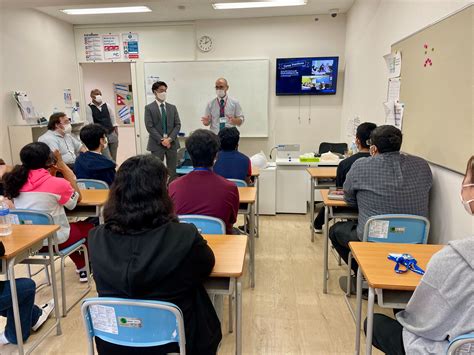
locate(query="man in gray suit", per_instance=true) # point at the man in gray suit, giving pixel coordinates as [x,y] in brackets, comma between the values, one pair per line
[163,124]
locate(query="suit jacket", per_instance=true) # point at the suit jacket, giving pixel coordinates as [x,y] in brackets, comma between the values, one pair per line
[154,125]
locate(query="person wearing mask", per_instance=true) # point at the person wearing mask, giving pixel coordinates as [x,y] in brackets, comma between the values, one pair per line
[101,113]
[442,306]
[362,136]
[163,124]
[143,252]
[32,187]
[202,191]
[59,137]
[92,164]
[222,111]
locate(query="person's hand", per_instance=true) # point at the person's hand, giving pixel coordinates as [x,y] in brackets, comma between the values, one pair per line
[206,120]
[60,165]
[235,121]
[166,142]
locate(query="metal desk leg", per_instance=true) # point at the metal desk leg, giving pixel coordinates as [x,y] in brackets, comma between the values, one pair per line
[238,317]
[257,217]
[16,309]
[358,311]
[326,251]
[252,245]
[370,321]
[100,213]
[311,208]
[53,284]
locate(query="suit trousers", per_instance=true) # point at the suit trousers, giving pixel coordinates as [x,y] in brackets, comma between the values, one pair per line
[171,159]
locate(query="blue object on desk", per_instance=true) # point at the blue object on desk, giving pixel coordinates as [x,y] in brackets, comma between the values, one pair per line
[407,261]
[184,170]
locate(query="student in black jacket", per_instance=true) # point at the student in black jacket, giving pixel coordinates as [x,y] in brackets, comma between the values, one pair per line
[143,252]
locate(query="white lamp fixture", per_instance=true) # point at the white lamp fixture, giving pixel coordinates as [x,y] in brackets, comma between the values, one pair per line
[257,4]
[107,10]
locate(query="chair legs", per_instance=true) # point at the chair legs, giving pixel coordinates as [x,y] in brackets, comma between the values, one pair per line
[231,313]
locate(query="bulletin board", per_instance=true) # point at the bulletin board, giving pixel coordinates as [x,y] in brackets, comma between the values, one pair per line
[437,88]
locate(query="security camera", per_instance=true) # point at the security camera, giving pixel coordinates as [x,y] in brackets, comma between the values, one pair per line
[333,12]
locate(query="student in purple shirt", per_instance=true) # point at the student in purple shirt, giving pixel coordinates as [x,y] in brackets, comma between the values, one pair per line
[231,163]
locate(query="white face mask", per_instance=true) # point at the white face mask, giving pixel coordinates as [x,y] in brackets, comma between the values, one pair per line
[161,96]
[106,144]
[67,128]
[220,93]
[98,99]
[467,204]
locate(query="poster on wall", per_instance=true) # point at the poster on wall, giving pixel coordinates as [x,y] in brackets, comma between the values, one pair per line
[92,47]
[124,103]
[130,45]
[111,44]
[67,95]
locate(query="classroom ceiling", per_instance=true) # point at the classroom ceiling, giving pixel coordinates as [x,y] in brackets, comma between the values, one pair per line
[171,10]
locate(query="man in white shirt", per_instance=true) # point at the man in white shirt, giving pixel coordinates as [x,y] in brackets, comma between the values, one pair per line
[59,137]
[223,111]
[101,113]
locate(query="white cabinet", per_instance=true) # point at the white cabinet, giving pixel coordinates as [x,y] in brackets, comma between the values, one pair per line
[292,189]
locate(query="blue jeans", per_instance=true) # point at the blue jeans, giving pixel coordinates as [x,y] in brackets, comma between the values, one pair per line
[29,312]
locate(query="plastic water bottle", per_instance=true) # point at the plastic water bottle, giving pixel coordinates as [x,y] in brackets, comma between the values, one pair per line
[5,225]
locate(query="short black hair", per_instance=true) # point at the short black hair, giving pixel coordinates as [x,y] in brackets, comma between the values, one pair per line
[363,133]
[202,146]
[386,138]
[91,134]
[156,85]
[54,119]
[229,138]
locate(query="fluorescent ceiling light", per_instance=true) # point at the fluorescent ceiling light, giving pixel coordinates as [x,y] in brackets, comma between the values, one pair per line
[256,4]
[107,10]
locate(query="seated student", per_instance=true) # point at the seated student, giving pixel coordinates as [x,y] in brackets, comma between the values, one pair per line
[32,187]
[202,191]
[388,182]
[32,317]
[442,306]
[230,163]
[59,137]
[92,164]
[143,252]
[362,136]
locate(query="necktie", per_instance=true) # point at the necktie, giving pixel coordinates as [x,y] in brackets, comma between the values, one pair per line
[221,114]
[164,119]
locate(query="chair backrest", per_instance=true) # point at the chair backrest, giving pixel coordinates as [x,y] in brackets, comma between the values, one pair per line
[204,224]
[238,182]
[135,323]
[31,217]
[91,184]
[461,345]
[397,228]
[325,147]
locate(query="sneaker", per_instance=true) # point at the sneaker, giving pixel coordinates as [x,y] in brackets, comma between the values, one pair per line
[83,276]
[3,339]
[46,310]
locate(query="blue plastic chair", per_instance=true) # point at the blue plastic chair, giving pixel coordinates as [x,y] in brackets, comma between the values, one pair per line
[238,182]
[134,323]
[41,218]
[184,170]
[91,184]
[461,345]
[204,224]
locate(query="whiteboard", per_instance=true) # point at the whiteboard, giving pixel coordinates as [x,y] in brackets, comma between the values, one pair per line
[191,86]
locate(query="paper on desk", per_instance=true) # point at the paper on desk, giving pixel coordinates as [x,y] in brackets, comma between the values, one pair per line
[104,319]
[394,64]
[393,93]
[378,229]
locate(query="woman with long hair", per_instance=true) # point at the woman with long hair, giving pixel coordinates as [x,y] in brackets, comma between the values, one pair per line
[143,252]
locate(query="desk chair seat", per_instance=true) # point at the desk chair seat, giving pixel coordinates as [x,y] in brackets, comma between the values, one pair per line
[325,147]
[134,323]
[40,218]
[91,184]
[461,345]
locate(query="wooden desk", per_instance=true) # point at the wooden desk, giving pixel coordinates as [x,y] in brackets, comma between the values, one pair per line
[316,174]
[24,241]
[91,205]
[379,274]
[248,195]
[229,252]
[329,213]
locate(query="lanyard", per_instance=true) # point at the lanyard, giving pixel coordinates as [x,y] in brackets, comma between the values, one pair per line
[407,261]
[219,103]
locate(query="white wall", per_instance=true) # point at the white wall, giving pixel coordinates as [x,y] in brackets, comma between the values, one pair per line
[38,56]
[372,27]
[252,39]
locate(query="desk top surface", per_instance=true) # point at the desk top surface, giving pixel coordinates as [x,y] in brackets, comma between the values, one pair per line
[329,202]
[94,197]
[323,172]
[379,271]
[25,236]
[255,171]
[247,194]
[187,169]
[229,251]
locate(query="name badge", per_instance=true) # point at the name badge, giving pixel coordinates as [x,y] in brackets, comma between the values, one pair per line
[223,120]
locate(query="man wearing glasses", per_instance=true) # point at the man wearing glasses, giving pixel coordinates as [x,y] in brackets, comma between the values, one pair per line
[222,111]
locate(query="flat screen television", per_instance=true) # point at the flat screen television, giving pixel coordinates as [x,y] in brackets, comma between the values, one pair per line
[306,76]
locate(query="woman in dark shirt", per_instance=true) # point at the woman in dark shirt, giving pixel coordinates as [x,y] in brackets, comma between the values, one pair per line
[143,252]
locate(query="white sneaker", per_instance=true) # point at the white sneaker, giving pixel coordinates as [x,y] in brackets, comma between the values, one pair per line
[3,339]
[46,310]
